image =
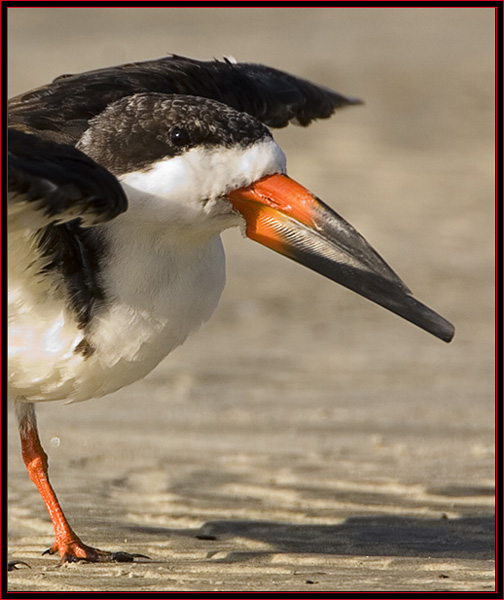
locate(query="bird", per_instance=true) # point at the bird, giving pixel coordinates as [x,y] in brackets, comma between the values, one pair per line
[120,183]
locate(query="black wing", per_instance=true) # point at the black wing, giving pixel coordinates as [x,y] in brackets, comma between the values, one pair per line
[56,183]
[62,109]
[55,190]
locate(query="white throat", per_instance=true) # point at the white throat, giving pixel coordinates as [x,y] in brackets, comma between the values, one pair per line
[186,193]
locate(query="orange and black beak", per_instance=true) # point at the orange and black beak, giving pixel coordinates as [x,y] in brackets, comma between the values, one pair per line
[286,217]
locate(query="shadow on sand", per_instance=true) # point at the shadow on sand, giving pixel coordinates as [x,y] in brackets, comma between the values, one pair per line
[467,537]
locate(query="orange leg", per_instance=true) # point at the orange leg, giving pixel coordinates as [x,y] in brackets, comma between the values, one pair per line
[68,543]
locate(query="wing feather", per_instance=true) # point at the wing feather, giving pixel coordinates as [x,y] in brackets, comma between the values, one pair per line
[62,109]
[56,183]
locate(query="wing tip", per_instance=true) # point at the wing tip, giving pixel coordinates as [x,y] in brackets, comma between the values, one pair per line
[354,101]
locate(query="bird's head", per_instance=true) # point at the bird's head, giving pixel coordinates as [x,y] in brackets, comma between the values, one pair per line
[178,158]
[192,166]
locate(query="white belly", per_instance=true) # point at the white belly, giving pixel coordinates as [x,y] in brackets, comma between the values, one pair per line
[157,294]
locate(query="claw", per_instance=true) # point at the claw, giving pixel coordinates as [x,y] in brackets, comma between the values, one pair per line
[77,551]
[12,565]
[126,556]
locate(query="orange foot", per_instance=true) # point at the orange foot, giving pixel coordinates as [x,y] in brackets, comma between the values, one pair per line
[74,550]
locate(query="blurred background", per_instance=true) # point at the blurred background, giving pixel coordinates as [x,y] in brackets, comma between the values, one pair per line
[299,403]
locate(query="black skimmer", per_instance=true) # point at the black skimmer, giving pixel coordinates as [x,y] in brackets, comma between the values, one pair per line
[121,181]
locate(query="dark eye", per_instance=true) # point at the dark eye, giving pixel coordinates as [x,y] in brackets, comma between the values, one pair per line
[179,136]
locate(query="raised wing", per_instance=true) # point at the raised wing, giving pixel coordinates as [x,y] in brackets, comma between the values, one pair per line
[62,109]
[56,183]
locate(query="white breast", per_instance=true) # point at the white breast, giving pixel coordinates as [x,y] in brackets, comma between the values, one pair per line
[157,294]
[161,292]
[42,333]
[162,275]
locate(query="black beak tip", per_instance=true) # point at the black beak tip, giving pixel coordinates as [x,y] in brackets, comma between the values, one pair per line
[447,333]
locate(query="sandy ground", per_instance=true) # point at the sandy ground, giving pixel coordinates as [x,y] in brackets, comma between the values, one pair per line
[305,439]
